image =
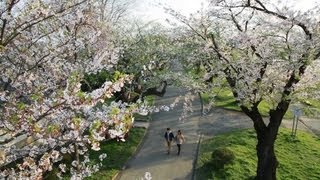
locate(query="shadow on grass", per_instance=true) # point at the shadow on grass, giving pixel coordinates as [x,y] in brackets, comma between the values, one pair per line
[208,171]
[233,105]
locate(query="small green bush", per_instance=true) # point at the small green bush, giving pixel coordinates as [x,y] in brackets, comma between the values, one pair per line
[221,157]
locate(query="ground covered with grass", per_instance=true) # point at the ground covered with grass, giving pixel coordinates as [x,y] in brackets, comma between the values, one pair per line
[117,154]
[299,158]
[224,98]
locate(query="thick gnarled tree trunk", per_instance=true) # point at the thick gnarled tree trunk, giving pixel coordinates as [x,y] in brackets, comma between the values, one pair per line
[266,136]
[267,161]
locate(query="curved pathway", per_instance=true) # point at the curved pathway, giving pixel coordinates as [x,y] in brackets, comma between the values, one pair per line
[152,157]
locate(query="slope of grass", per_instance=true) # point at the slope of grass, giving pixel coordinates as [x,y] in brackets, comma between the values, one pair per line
[312,107]
[117,154]
[225,99]
[150,100]
[298,158]
[139,117]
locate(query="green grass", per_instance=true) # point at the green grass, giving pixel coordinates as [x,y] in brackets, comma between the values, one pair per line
[224,98]
[150,100]
[117,154]
[298,158]
[312,107]
[139,117]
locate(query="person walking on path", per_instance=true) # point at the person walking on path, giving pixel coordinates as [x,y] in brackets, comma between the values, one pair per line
[169,137]
[179,139]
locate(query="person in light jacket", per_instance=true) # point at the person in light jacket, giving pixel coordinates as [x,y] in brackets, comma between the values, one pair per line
[179,139]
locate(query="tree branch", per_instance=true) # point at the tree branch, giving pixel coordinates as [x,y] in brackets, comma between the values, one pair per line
[300,24]
[280,16]
[48,111]
[4,21]
[247,21]
[288,88]
[259,2]
[255,116]
[16,32]
[235,21]
[220,56]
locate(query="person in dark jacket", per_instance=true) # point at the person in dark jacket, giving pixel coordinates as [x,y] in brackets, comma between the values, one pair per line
[169,138]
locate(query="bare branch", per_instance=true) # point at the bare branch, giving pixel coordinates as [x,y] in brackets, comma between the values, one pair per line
[4,21]
[247,21]
[235,21]
[216,48]
[300,24]
[17,32]
[260,3]
[267,11]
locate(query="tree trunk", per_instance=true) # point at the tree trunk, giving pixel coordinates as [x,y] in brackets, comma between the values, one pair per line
[267,161]
[266,135]
[154,90]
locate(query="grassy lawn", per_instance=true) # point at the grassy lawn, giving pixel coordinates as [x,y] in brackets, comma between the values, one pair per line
[117,154]
[139,117]
[226,100]
[298,158]
[150,100]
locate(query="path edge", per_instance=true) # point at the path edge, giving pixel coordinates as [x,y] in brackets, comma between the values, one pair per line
[118,175]
[195,161]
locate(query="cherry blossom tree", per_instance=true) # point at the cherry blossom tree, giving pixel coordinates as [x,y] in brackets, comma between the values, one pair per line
[46,48]
[148,54]
[265,52]
[114,10]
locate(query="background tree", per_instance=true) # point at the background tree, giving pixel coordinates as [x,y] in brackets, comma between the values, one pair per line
[148,55]
[264,52]
[114,11]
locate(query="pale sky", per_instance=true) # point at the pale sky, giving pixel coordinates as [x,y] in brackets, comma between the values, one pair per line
[151,10]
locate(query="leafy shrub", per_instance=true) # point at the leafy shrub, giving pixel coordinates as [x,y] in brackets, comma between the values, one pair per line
[221,157]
